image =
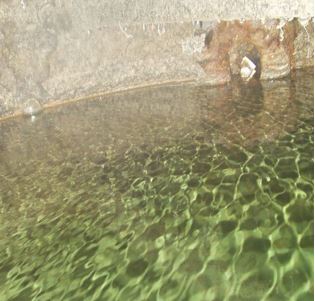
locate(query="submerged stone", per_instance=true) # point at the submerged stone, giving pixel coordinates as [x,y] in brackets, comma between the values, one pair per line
[227,226]
[299,213]
[107,195]
[256,286]
[248,184]
[307,242]
[137,268]
[286,238]
[293,280]
[249,224]
[259,245]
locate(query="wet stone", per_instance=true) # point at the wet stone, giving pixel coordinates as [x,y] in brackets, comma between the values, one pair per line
[180,169]
[249,224]
[269,161]
[307,242]
[286,238]
[208,211]
[256,285]
[155,168]
[170,189]
[230,175]
[306,187]
[237,156]
[259,245]
[263,172]
[308,296]
[284,258]
[293,279]
[169,289]
[239,298]
[213,179]
[288,174]
[215,270]
[193,264]
[298,213]
[225,227]
[137,268]
[192,190]
[283,198]
[280,219]
[193,182]
[200,168]
[137,194]
[247,199]
[189,150]
[306,170]
[248,185]
[284,243]
[154,231]
[141,158]
[205,151]
[224,194]
[275,186]
[285,164]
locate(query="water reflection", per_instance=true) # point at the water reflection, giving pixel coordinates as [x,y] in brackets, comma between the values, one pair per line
[197,193]
[240,113]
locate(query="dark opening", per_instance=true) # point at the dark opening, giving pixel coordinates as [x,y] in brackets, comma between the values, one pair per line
[254,56]
[208,38]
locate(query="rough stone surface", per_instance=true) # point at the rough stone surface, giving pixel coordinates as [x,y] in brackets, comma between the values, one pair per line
[93,12]
[56,66]
[58,50]
[275,47]
[304,45]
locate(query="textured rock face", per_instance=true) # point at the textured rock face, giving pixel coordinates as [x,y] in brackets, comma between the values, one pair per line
[49,65]
[304,45]
[58,50]
[275,47]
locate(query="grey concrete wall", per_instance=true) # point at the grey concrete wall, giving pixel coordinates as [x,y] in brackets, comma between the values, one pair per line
[108,12]
[53,50]
[187,10]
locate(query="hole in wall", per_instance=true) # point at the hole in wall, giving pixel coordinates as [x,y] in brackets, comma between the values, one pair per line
[237,54]
[208,38]
[254,56]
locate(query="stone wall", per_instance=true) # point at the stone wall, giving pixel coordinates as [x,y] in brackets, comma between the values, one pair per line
[55,50]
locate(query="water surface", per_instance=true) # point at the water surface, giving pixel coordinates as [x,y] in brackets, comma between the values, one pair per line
[170,193]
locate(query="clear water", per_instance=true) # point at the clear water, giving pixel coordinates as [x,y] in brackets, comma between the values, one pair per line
[170,193]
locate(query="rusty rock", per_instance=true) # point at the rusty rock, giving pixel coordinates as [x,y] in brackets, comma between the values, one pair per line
[274,46]
[275,63]
[304,43]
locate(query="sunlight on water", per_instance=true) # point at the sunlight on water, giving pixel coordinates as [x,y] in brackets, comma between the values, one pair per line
[169,193]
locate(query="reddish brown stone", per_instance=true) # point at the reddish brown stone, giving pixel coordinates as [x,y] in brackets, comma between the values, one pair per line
[304,45]
[274,48]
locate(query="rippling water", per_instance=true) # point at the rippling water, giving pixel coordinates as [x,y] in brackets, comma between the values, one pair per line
[170,193]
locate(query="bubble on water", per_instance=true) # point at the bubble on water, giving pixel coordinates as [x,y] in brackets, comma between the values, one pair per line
[32,107]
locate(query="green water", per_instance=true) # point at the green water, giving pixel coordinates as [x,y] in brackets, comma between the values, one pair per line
[170,193]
